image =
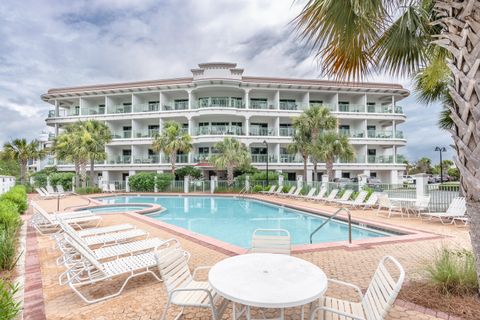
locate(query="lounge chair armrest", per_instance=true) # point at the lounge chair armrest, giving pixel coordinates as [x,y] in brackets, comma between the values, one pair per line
[350,285]
[200,268]
[345,314]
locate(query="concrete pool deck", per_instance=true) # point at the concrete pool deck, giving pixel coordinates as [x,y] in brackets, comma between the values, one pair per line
[144,298]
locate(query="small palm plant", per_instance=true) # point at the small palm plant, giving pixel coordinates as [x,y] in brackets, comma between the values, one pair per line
[231,154]
[22,151]
[97,135]
[171,141]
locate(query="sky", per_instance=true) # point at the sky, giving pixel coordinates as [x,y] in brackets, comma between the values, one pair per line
[48,44]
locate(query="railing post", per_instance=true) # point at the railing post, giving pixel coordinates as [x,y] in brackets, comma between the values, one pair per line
[421,181]
[155,188]
[247,183]
[324,182]
[300,182]
[73,184]
[127,185]
[212,184]
[280,180]
[186,184]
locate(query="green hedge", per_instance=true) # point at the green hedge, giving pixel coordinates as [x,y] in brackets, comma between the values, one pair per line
[62,178]
[18,195]
[88,190]
[12,204]
[145,181]
[9,307]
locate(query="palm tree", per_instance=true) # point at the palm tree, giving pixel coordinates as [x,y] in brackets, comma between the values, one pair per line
[22,151]
[171,141]
[97,135]
[330,146]
[231,154]
[301,143]
[310,123]
[354,38]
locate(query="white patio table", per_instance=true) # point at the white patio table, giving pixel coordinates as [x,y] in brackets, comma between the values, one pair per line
[267,280]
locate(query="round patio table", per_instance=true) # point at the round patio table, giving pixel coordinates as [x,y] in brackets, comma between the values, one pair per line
[267,280]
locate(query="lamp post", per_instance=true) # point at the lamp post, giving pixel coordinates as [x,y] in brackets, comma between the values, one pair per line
[440,150]
[266,146]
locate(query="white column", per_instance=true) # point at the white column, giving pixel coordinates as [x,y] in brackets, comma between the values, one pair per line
[247,125]
[186,184]
[161,100]
[394,129]
[190,126]
[280,180]
[247,98]
[335,102]
[276,102]
[212,184]
[421,181]
[394,177]
[277,152]
[365,99]
[127,184]
[299,181]
[393,104]
[309,176]
[338,173]
[57,108]
[155,189]
[247,183]
[366,172]
[190,95]
[277,126]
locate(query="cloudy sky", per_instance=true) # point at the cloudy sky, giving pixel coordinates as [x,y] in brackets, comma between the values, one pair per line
[46,44]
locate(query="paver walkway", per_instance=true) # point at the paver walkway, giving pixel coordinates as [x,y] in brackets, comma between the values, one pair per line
[144,298]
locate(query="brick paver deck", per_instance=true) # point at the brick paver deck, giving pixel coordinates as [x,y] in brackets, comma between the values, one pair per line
[144,297]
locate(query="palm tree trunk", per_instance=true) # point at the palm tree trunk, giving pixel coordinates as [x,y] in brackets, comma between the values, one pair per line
[315,170]
[305,159]
[23,171]
[329,166]
[77,174]
[461,36]
[83,173]
[173,160]
[92,171]
[230,176]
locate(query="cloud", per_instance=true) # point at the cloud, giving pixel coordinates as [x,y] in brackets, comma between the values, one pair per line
[47,44]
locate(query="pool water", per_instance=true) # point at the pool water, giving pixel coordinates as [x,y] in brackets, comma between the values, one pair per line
[233,220]
[108,209]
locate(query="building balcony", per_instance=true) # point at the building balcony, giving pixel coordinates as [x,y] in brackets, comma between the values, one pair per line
[120,160]
[119,109]
[148,133]
[256,104]
[146,107]
[290,158]
[64,113]
[181,158]
[177,105]
[93,111]
[287,132]
[351,108]
[219,102]
[126,134]
[352,133]
[261,132]
[262,158]
[201,157]
[380,159]
[356,159]
[219,130]
[329,106]
[151,159]
[384,109]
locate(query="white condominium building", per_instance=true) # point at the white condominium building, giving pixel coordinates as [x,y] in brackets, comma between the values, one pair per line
[216,101]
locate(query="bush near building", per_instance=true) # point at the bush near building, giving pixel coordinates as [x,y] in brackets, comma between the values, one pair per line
[145,181]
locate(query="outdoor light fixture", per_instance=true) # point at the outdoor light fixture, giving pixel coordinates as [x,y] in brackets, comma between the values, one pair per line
[440,150]
[266,145]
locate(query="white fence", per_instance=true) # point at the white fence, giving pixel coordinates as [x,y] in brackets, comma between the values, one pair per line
[6,182]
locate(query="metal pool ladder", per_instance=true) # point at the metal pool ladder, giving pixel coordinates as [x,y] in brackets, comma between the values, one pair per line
[333,216]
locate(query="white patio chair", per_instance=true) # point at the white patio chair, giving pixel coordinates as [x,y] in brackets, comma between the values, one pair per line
[88,271]
[271,241]
[391,206]
[373,305]
[420,205]
[320,196]
[278,191]
[111,187]
[371,201]
[52,192]
[105,188]
[295,194]
[331,196]
[61,190]
[345,196]
[359,200]
[310,194]
[285,194]
[43,194]
[456,211]
[270,191]
[182,288]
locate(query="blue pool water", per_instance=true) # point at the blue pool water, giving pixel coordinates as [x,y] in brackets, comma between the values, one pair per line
[233,220]
[116,209]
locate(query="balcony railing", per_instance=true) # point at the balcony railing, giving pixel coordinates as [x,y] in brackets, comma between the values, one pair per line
[181,158]
[148,133]
[284,105]
[329,106]
[219,130]
[147,160]
[261,132]
[146,107]
[399,134]
[400,158]
[72,112]
[380,134]
[126,134]
[357,159]
[219,102]
[116,109]
[351,107]
[261,158]
[93,111]
[201,157]
[290,158]
[380,159]
[384,109]
[287,132]
[255,104]
[121,160]
[352,133]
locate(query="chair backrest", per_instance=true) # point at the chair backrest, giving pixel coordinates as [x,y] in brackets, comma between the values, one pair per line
[272,189]
[42,211]
[271,241]
[321,193]
[422,202]
[105,187]
[279,189]
[297,192]
[384,201]
[50,189]
[360,197]
[292,189]
[333,194]
[173,267]
[311,192]
[112,187]
[40,192]
[45,191]
[383,290]
[60,188]
[372,200]
[457,207]
[346,195]
[86,254]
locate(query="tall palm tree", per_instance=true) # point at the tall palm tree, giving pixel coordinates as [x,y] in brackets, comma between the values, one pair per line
[301,143]
[231,154]
[97,135]
[311,123]
[171,141]
[330,146]
[22,151]
[354,38]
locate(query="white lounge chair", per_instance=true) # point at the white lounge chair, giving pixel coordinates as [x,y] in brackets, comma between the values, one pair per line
[456,211]
[88,271]
[61,190]
[310,194]
[43,194]
[374,304]
[105,188]
[391,206]
[270,191]
[371,201]
[320,196]
[271,241]
[331,196]
[285,194]
[52,192]
[359,200]
[420,205]
[345,196]
[45,222]
[182,288]
[278,191]
[111,187]
[295,194]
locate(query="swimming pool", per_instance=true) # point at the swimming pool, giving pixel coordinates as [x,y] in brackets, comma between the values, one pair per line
[116,208]
[233,220]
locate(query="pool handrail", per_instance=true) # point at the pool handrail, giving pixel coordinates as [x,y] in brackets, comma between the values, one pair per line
[333,216]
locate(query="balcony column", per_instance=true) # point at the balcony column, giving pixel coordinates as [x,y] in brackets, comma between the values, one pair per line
[190,96]
[276,102]
[276,131]
[277,152]
[57,108]
[335,102]
[393,104]
[365,100]
[247,98]
[190,125]
[394,129]
[394,154]
[247,125]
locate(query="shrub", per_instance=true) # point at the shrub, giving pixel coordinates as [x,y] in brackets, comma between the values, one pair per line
[88,190]
[18,195]
[190,171]
[9,217]
[453,272]
[257,188]
[142,182]
[164,180]
[369,191]
[9,308]
[62,178]
[40,179]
